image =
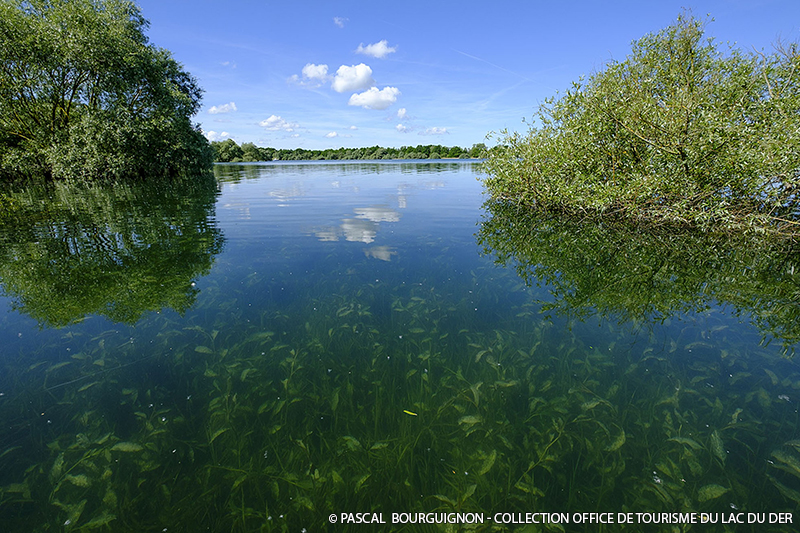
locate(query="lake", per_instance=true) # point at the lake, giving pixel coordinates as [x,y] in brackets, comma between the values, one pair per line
[284,346]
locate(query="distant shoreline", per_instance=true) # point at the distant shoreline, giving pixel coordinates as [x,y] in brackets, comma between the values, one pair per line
[228,151]
[348,160]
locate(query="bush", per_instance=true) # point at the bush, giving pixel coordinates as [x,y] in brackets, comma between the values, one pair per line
[678,132]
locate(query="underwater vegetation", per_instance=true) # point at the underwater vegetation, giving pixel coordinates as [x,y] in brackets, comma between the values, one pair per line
[420,384]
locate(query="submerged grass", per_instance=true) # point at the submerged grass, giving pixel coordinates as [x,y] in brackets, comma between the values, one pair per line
[279,399]
[244,428]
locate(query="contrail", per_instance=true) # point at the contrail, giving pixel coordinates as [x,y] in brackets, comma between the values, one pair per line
[492,64]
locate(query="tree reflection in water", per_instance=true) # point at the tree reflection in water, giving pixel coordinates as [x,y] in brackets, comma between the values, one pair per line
[647,274]
[116,249]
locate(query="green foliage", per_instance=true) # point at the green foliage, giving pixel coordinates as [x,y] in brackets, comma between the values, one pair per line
[116,249]
[228,151]
[678,132]
[82,93]
[478,150]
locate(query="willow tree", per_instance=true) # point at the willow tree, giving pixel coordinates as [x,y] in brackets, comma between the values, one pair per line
[679,132]
[83,93]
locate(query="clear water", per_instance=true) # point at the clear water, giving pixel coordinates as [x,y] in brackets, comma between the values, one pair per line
[291,341]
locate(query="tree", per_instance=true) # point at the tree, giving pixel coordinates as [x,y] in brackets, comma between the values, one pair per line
[266,154]
[455,151]
[250,152]
[82,93]
[227,151]
[678,132]
[477,150]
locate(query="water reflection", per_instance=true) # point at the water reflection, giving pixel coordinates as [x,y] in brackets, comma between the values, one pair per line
[377,213]
[384,253]
[308,378]
[233,172]
[363,228]
[72,249]
[346,207]
[632,274]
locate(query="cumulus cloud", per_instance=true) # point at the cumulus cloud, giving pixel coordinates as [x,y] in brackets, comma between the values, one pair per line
[225,108]
[379,50]
[331,135]
[339,21]
[315,72]
[374,98]
[352,78]
[401,128]
[214,136]
[434,131]
[276,123]
[313,75]
[353,127]
[402,113]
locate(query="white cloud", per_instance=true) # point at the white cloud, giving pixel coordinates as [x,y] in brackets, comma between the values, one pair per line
[379,50]
[315,72]
[401,128]
[352,78]
[225,108]
[214,136]
[339,21]
[434,131]
[353,127]
[313,75]
[276,123]
[331,135]
[402,113]
[375,99]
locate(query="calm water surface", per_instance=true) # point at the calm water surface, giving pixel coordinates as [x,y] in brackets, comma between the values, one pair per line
[288,341]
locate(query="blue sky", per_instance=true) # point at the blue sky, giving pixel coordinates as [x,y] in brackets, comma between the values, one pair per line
[328,74]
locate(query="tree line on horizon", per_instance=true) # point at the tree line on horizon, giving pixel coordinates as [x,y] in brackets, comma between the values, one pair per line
[228,151]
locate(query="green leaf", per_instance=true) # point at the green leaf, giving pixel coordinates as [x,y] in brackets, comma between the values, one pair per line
[126,447]
[216,434]
[488,463]
[710,492]
[617,443]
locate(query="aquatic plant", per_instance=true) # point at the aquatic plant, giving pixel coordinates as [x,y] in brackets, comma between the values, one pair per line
[286,394]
